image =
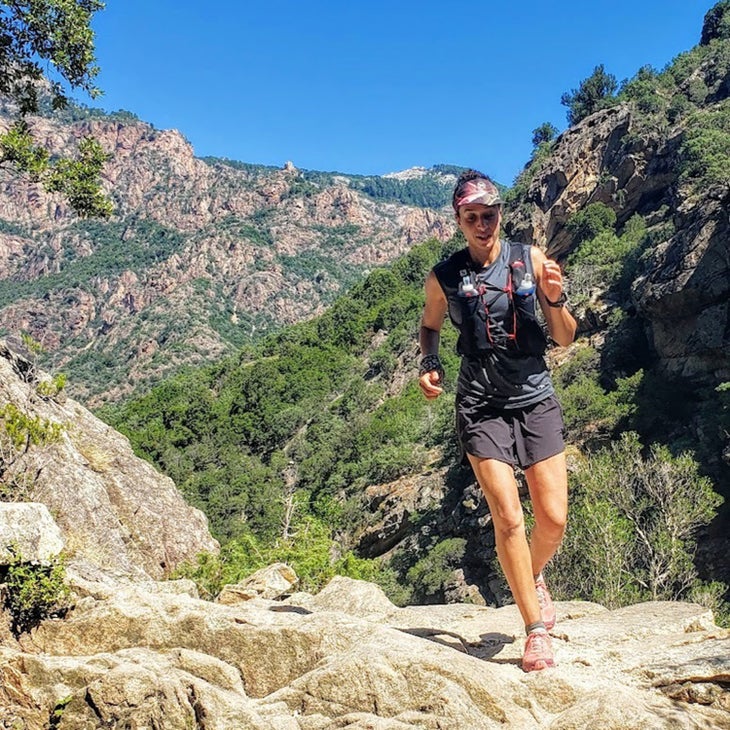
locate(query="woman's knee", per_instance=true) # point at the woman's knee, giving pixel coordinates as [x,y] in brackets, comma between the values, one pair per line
[508,522]
[552,524]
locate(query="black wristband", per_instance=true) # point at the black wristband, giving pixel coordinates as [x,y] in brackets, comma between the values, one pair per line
[429,363]
[561,301]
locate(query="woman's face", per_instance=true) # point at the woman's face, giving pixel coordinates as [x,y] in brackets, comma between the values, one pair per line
[480,226]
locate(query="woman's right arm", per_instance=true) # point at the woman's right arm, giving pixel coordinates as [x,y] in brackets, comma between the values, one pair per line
[434,311]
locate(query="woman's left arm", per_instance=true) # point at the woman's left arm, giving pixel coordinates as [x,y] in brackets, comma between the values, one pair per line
[550,294]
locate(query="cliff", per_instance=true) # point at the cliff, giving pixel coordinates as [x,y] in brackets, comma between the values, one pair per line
[681,291]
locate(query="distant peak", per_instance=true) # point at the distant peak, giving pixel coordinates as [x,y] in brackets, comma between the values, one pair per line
[409,174]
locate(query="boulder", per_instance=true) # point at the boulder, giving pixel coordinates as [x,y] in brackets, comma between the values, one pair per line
[28,533]
[270,582]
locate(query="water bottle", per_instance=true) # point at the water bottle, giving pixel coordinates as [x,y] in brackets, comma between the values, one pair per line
[527,286]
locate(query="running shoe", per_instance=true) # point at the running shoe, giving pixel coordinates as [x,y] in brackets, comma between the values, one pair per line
[538,651]
[547,608]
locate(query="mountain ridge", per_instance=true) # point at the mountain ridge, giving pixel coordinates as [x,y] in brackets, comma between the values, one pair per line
[216,252]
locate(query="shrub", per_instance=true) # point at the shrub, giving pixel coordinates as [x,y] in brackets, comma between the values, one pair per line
[311,552]
[644,90]
[430,575]
[633,526]
[588,222]
[705,151]
[34,592]
[19,432]
[603,260]
[587,405]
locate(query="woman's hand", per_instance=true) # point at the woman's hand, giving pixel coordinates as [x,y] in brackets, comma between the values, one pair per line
[551,288]
[551,280]
[429,384]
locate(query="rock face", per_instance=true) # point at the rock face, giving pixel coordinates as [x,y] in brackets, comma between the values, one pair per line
[28,530]
[683,293]
[113,509]
[154,655]
[199,256]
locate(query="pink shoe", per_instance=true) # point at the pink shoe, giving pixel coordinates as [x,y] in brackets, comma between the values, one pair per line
[547,608]
[538,652]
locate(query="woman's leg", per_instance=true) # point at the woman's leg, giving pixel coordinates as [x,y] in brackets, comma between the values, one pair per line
[547,481]
[498,484]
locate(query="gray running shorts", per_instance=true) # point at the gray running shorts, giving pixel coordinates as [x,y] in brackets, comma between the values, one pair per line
[521,436]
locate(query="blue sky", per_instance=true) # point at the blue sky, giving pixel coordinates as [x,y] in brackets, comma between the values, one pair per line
[373,87]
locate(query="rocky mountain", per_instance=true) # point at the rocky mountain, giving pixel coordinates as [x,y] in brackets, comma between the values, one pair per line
[199,257]
[682,291]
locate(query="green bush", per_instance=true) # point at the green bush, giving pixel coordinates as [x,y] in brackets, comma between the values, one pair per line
[34,592]
[644,91]
[431,574]
[588,408]
[588,222]
[20,432]
[310,551]
[633,525]
[705,150]
[603,260]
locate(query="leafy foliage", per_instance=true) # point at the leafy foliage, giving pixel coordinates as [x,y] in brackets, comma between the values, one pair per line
[77,180]
[602,259]
[587,405]
[55,34]
[19,432]
[431,574]
[309,551]
[705,151]
[33,592]
[716,25]
[588,222]
[632,533]
[594,93]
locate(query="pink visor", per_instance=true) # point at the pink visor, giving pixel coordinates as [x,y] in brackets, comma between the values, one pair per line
[480,191]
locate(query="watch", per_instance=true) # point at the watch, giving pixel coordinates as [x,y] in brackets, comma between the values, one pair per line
[561,301]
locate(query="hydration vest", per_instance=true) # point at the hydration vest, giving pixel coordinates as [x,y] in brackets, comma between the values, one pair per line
[493,308]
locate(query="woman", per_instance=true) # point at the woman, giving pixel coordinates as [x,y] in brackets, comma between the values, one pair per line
[506,408]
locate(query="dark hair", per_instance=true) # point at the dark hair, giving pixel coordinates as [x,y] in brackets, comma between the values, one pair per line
[464,178]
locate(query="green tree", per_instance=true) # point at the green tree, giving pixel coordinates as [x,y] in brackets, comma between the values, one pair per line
[546,132]
[594,93]
[716,23]
[588,222]
[56,35]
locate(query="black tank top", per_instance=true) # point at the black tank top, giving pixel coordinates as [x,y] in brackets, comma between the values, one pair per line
[493,367]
